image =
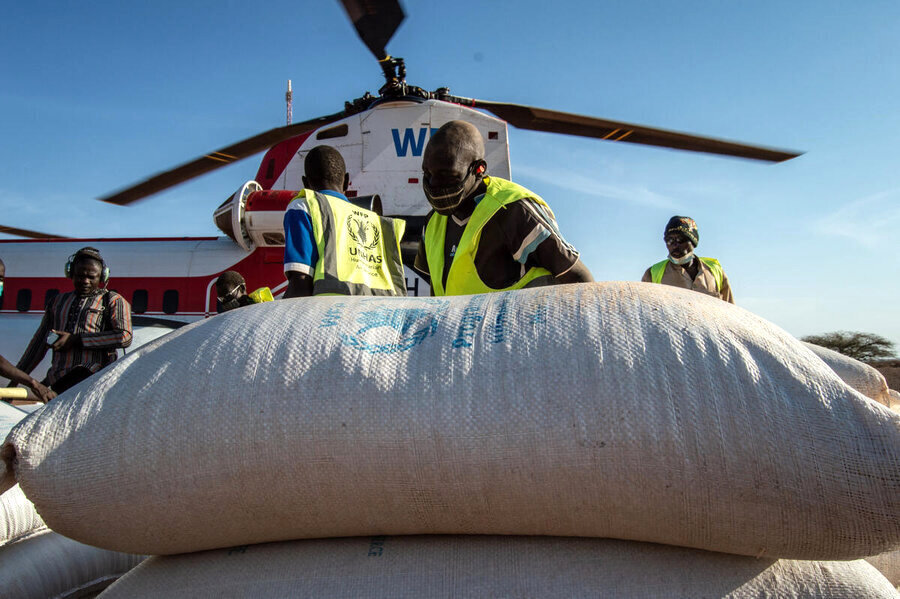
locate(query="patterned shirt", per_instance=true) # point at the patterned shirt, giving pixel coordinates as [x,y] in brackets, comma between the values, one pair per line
[84,316]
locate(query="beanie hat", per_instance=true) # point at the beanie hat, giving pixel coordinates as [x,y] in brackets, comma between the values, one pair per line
[684,225]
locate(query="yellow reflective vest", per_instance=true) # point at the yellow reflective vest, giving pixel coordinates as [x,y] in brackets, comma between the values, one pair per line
[359,251]
[263,294]
[658,269]
[463,277]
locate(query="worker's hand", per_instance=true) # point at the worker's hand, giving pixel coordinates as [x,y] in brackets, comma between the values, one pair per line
[43,393]
[65,341]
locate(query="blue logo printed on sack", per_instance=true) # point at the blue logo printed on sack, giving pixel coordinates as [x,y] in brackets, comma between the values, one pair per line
[469,322]
[332,315]
[540,315]
[498,331]
[409,327]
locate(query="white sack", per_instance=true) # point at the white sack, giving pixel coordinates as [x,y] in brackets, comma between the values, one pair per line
[48,565]
[620,410]
[889,565]
[862,377]
[9,417]
[18,518]
[509,567]
[895,400]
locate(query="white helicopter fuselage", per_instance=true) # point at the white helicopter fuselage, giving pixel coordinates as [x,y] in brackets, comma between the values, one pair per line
[170,281]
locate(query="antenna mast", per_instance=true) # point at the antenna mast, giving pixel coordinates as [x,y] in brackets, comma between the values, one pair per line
[289,98]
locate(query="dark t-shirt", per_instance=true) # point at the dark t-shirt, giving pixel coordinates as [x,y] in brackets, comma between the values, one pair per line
[516,238]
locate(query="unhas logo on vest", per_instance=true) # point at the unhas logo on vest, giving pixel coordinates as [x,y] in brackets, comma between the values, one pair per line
[365,235]
[362,231]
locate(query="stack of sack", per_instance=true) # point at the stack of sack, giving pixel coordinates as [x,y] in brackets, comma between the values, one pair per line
[862,377]
[871,383]
[697,449]
[37,563]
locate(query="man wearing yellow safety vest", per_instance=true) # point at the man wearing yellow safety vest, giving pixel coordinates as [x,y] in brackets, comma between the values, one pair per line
[332,247]
[231,290]
[682,268]
[486,233]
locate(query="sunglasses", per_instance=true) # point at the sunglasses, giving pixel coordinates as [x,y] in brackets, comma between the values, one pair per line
[229,296]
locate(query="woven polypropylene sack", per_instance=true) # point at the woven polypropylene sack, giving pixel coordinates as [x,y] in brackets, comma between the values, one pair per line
[9,417]
[631,411]
[889,565]
[862,377]
[511,567]
[50,565]
[18,518]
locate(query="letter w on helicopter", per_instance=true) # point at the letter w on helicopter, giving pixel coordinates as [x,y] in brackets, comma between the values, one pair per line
[410,141]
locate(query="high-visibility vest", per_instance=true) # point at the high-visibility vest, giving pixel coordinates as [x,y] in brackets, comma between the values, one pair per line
[463,279]
[657,270]
[263,294]
[359,251]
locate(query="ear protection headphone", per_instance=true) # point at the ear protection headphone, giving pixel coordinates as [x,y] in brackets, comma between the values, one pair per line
[93,254]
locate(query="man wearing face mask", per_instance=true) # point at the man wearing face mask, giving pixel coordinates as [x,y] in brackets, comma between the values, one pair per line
[485,233]
[231,291]
[15,375]
[682,268]
[332,247]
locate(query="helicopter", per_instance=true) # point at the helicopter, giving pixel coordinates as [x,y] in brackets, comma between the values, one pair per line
[381,137]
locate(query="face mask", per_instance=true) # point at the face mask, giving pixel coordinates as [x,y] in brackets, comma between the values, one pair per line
[445,199]
[230,305]
[240,302]
[686,259]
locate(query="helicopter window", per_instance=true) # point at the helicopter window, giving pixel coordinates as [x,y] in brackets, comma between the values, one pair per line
[23,300]
[139,301]
[48,297]
[339,131]
[170,301]
[492,135]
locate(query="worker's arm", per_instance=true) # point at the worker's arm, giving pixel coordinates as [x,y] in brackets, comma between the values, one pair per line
[17,376]
[533,238]
[579,273]
[299,284]
[38,347]
[300,251]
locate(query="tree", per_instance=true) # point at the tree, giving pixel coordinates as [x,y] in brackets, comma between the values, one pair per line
[861,346]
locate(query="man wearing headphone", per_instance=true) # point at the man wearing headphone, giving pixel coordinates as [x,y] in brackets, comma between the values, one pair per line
[83,327]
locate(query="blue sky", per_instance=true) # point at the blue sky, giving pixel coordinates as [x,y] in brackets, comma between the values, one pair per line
[95,96]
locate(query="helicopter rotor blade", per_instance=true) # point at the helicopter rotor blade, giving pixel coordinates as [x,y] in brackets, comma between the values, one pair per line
[375,22]
[552,121]
[213,160]
[28,233]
